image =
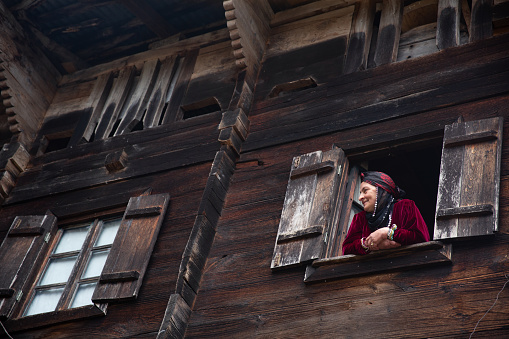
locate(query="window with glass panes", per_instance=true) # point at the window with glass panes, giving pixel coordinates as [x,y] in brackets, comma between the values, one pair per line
[73,268]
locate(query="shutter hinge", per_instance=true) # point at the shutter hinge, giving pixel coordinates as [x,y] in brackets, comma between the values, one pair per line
[19,295]
[340,167]
[325,237]
[47,237]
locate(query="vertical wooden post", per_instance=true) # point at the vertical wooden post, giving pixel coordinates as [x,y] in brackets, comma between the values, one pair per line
[481,26]
[448,23]
[389,32]
[360,36]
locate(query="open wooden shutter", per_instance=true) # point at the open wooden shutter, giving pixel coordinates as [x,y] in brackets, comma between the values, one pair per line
[308,207]
[130,253]
[467,201]
[20,251]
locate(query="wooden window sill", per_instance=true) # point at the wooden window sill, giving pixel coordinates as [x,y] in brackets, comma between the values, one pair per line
[405,257]
[55,317]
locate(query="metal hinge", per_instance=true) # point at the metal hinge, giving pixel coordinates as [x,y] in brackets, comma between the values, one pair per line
[47,237]
[340,167]
[325,237]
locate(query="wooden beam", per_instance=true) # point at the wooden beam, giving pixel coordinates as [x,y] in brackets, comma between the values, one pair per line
[30,77]
[311,9]
[448,23]
[389,31]
[481,26]
[360,36]
[150,17]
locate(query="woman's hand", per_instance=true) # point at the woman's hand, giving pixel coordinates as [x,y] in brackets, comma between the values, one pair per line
[378,240]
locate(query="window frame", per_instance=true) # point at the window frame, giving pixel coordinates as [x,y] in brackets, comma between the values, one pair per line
[463,136]
[83,255]
[144,214]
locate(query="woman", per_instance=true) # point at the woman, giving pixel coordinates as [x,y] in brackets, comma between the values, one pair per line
[387,220]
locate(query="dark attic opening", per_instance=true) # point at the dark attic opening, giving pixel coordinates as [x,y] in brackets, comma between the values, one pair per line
[414,168]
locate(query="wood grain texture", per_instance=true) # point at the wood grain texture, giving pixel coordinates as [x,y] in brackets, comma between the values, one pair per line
[388,32]
[448,23]
[469,181]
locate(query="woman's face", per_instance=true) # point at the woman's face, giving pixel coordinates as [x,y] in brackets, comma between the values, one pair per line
[368,197]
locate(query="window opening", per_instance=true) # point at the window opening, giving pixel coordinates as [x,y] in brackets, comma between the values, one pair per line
[73,268]
[292,86]
[202,107]
[414,169]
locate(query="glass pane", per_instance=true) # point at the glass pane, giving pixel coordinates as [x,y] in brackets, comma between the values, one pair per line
[95,264]
[58,271]
[44,301]
[108,232]
[83,295]
[72,239]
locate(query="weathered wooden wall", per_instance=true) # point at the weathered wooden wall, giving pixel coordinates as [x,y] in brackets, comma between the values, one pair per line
[363,113]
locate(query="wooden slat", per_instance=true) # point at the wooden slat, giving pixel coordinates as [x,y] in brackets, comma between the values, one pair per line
[481,26]
[138,101]
[114,103]
[306,232]
[448,23]
[467,211]
[471,138]
[97,98]
[174,112]
[389,31]
[157,101]
[360,36]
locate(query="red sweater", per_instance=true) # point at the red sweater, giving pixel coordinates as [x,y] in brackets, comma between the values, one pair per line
[411,227]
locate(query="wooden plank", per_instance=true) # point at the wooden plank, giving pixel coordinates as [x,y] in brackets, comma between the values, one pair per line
[466,211]
[144,158]
[138,101]
[150,17]
[178,93]
[97,98]
[471,138]
[389,32]
[157,101]
[360,36]
[481,26]
[311,231]
[308,10]
[448,23]
[409,260]
[114,103]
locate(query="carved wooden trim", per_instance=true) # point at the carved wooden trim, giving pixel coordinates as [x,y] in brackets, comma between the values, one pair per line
[249,26]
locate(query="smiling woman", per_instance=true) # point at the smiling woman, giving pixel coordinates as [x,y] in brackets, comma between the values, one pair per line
[387,220]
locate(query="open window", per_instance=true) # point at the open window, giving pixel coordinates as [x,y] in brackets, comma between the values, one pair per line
[323,186]
[74,271]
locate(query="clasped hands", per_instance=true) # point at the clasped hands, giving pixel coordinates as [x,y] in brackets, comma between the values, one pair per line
[377,240]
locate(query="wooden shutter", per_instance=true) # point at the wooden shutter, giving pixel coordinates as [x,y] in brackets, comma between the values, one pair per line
[130,253]
[467,201]
[308,207]
[20,252]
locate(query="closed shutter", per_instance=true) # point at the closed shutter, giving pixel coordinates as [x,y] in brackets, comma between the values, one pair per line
[308,208]
[468,192]
[21,251]
[125,267]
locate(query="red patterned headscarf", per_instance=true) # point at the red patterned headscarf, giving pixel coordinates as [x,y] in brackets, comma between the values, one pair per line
[383,181]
